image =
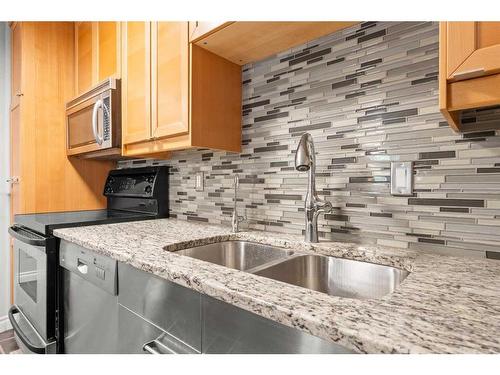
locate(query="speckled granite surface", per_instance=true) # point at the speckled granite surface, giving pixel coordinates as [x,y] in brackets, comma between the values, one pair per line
[446,305]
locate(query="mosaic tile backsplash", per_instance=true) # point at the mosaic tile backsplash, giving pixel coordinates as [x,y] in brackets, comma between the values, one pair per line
[368,95]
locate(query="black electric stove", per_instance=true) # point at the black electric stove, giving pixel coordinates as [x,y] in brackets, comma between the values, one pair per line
[132,194]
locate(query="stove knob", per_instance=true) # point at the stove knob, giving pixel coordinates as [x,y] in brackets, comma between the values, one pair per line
[148,189]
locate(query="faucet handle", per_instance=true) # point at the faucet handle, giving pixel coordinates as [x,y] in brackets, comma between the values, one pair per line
[324,206]
[244,217]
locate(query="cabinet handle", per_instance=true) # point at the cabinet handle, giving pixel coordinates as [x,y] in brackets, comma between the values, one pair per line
[469,74]
[12,180]
[19,94]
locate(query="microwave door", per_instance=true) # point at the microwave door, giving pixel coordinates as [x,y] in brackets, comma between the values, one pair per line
[83,123]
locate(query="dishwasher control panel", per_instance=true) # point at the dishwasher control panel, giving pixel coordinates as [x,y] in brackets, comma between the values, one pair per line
[95,268]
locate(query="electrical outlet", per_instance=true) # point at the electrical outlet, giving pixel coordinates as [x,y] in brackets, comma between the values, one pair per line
[199,183]
[402,178]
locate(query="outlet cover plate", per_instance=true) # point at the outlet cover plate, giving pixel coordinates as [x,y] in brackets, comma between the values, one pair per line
[199,183]
[402,178]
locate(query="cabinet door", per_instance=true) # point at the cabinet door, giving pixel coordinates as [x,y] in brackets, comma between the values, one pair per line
[136,82]
[84,56]
[170,79]
[16,203]
[473,49]
[108,50]
[16,60]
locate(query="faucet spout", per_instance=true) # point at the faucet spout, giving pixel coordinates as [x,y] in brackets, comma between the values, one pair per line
[305,160]
[236,219]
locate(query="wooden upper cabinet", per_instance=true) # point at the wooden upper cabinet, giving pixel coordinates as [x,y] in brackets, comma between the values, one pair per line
[97,51]
[176,95]
[170,78]
[473,49]
[136,82]
[469,68]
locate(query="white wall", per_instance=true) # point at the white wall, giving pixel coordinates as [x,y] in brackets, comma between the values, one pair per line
[4,172]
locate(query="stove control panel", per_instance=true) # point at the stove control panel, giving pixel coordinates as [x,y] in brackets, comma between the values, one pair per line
[132,182]
[136,185]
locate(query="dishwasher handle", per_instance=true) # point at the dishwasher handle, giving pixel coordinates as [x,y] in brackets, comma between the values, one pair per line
[82,267]
[156,347]
[22,336]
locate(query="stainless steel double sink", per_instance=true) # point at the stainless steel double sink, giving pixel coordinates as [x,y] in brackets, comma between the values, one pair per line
[333,276]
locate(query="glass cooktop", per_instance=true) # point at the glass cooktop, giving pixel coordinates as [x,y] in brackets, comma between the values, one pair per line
[45,223]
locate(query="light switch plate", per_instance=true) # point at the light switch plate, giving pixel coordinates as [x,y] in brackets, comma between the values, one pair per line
[402,178]
[199,184]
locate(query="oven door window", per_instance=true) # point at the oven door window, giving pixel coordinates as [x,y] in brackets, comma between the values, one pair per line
[28,274]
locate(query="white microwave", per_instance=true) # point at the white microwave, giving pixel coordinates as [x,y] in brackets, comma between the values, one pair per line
[93,122]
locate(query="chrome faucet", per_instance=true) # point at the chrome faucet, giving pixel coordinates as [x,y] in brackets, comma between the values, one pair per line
[236,220]
[305,160]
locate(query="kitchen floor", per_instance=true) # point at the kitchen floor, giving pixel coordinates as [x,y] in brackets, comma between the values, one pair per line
[8,344]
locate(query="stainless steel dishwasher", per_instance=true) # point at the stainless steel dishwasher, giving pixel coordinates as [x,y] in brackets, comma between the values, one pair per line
[90,292]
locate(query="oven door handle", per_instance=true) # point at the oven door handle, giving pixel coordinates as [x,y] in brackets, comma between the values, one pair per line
[35,349]
[16,232]
[98,104]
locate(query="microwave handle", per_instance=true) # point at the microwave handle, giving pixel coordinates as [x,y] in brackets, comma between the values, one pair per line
[98,104]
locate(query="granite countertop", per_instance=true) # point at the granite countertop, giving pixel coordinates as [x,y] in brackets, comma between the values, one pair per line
[446,304]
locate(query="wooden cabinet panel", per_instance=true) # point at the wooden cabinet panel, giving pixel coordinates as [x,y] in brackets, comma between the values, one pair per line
[469,67]
[15,161]
[199,29]
[487,34]
[170,79]
[473,49]
[243,42]
[97,50]
[460,44]
[216,101]
[108,49]
[136,82]
[16,61]
[84,63]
